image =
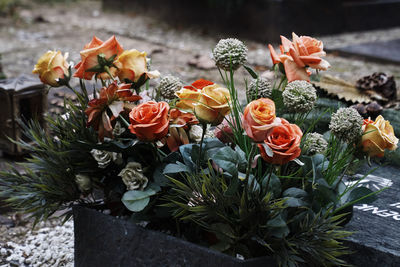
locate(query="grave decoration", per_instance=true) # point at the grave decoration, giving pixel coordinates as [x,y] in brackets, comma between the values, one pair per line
[195,161]
[21,98]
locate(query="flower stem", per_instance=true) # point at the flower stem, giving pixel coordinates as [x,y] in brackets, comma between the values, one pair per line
[250,160]
[269,177]
[72,89]
[107,69]
[201,144]
[156,152]
[123,120]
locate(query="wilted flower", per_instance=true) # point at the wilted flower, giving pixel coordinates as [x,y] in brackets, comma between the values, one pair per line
[259,88]
[229,53]
[84,183]
[315,143]
[299,96]
[168,86]
[118,129]
[132,176]
[104,158]
[346,124]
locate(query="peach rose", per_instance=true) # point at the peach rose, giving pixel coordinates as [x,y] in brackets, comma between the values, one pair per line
[213,104]
[299,54]
[377,136]
[282,143]
[150,121]
[189,95]
[132,64]
[259,118]
[89,55]
[51,67]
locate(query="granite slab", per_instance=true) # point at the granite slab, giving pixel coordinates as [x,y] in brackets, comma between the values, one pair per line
[388,51]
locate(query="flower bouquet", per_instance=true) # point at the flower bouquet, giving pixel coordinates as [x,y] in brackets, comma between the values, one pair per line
[247,177]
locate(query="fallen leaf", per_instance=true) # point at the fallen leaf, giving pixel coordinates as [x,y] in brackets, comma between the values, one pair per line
[342,89]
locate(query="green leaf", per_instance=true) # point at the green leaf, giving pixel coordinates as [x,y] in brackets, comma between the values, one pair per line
[186,152]
[159,177]
[360,192]
[227,159]
[212,143]
[224,229]
[295,202]
[279,227]
[253,74]
[295,192]
[195,153]
[175,168]
[233,185]
[136,200]
[294,197]
[274,185]
[241,158]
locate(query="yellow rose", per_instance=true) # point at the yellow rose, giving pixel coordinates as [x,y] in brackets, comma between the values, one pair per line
[132,64]
[378,136]
[187,98]
[51,66]
[213,104]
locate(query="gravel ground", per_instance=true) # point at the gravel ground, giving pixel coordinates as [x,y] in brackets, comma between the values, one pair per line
[48,244]
[184,53]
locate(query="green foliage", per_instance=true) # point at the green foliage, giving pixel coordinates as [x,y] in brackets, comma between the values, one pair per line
[47,182]
[257,220]
[136,200]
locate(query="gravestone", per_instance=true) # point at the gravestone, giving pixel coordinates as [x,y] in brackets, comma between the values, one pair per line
[376,226]
[387,51]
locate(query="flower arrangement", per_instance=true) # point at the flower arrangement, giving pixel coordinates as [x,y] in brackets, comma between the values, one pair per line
[245,178]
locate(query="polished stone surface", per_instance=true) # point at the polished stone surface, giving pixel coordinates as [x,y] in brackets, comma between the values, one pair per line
[377,225]
[388,51]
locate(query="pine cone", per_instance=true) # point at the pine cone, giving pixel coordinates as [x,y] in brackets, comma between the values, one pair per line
[378,82]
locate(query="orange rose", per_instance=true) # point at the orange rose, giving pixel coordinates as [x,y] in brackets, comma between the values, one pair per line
[259,118]
[149,121]
[111,98]
[189,95]
[132,64]
[51,67]
[89,55]
[282,143]
[213,104]
[378,136]
[295,56]
[179,123]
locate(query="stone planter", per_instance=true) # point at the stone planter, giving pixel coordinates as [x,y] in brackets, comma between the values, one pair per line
[102,240]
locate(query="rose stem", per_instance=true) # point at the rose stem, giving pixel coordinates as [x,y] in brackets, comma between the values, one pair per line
[201,144]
